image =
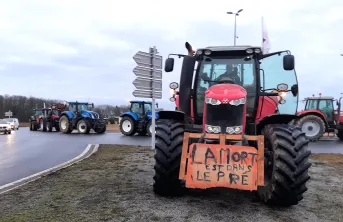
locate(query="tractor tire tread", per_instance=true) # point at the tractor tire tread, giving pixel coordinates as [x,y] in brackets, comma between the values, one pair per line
[291,156]
[169,140]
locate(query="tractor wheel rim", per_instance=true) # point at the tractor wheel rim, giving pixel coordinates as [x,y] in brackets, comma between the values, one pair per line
[150,129]
[311,128]
[126,125]
[63,124]
[82,127]
[47,126]
[41,124]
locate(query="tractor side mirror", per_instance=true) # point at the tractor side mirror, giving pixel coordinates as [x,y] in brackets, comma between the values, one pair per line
[169,65]
[288,62]
[295,89]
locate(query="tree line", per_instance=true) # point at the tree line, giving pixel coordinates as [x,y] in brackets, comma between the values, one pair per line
[22,107]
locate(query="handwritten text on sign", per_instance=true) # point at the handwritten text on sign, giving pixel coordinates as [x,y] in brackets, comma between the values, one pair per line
[214,165]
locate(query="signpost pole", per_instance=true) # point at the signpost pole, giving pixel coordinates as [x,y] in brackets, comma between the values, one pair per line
[153,50]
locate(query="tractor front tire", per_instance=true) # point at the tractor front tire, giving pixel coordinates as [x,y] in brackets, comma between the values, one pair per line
[64,125]
[313,127]
[340,135]
[286,165]
[83,126]
[31,126]
[168,150]
[127,126]
[100,129]
[149,128]
[42,123]
[48,126]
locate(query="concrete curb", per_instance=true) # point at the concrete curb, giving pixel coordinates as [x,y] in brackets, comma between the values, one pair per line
[89,150]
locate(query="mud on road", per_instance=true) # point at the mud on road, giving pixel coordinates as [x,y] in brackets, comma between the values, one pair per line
[116,185]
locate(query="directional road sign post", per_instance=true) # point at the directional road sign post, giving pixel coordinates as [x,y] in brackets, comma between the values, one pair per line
[9,114]
[149,80]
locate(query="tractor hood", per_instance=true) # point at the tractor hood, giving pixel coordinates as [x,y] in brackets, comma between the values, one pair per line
[90,114]
[150,114]
[226,92]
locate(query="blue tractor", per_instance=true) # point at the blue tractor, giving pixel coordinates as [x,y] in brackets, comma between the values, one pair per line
[138,119]
[77,115]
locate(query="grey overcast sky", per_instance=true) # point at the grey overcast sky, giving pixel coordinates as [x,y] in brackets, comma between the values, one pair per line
[83,49]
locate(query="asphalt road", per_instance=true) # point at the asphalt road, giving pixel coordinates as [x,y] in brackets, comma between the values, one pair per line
[25,152]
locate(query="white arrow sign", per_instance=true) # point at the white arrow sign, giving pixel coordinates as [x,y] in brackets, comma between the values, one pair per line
[147,94]
[146,72]
[9,113]
[144,59]
[142,83]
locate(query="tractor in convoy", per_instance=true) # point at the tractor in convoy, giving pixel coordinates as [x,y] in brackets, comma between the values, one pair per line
[77,115]
[138,119]
[36,119]
[319,117]
[50,118]
[231,127]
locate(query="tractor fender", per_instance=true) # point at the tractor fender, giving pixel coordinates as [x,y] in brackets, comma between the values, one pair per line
[131,114]
[315,113]
[69,114]
[275,119]
[170,114]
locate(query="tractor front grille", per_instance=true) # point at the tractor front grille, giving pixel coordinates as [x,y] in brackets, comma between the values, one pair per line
[224,115]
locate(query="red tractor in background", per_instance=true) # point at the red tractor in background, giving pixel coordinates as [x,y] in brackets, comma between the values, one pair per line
[51,117]
[46,118]
[231,127]
[319,117]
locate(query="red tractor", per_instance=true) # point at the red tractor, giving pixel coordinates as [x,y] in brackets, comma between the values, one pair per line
[50,118]
[319,117]
[231,127]
[35,119]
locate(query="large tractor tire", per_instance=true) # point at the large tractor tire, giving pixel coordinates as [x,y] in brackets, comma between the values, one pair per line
[83,126]
[169,140]
[48,126]
[31,126]
[313,127]
[100,129]
[286,165]
[340,135]
[42,123]
[127,126]
[64,125]
[149,128]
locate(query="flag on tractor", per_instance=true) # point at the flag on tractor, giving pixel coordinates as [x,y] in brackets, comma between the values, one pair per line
[265,38]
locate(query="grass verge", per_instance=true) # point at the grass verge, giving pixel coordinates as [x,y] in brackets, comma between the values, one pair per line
[115,184]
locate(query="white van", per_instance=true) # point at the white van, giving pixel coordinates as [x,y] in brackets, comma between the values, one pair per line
[14,122]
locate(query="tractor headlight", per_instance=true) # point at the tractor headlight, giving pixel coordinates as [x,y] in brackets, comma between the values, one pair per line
[213,129]
[199,52]
[249,51]
[234,129]
[238,102]
[207,52]
[282,94]
[212,101]
[257,50]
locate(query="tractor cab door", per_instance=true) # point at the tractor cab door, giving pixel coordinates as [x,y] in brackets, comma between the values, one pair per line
[326,107]
[137,108]
[272,75]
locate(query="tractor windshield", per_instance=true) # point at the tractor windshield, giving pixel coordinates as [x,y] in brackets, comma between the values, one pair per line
[311,104]
[147,107]
[78,107]
[274,74]
[239,70]
[56,112]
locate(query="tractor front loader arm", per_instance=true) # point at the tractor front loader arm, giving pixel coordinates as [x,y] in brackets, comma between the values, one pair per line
[220,165]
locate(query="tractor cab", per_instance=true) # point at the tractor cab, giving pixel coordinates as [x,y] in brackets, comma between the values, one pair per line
[323,104]
[214,80]
[77,107]
[141,108]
